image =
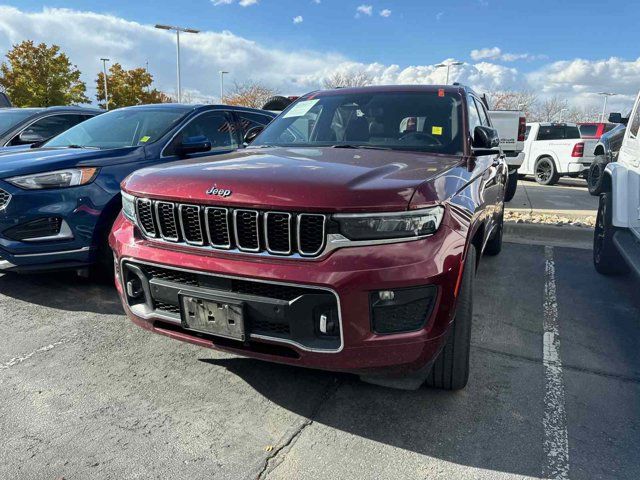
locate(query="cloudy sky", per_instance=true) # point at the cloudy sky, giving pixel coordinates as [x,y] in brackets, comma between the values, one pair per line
[561,47]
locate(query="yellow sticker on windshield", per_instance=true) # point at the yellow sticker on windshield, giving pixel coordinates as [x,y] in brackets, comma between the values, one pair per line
[436,130]
[145,139]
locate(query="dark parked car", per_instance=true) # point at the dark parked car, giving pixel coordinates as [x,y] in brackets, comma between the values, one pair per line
[58,202]
[346,237]
[606,151]
[26,126]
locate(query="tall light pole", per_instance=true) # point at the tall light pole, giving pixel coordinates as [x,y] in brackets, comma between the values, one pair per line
[178,30]
[606,96]
[104,73]
[448,65]
[222,74]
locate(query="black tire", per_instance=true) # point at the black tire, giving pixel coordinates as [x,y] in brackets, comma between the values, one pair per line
[595,175]
[277,103]
[494,245]
[606,257]
[450,370]
[512,185]
[545,171]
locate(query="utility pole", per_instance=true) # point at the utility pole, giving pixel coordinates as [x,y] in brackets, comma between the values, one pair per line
[606,96]
[104,74]
[448,65]
[178,30]
[222,74]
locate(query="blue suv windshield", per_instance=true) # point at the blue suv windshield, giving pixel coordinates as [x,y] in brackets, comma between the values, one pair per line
[9,118]
[120,128]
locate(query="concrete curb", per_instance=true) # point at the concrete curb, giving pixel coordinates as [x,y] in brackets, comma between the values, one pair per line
[551,235]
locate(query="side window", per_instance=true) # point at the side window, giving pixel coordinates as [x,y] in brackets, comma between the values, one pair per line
[217,127]
[635,123]
[474,117]
[250,120]
[46,128]
[484,116]
[550,132]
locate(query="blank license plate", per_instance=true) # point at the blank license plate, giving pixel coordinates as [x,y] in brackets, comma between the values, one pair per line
[221,317]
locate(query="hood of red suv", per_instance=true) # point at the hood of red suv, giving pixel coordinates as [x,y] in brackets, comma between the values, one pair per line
[313,179]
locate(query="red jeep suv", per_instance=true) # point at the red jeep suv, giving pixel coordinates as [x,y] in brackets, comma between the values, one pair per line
[345,238]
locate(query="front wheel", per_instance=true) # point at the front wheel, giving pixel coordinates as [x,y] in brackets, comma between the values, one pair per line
[512,185]
[546,172]
[595,175]
[606,257]
[451,369]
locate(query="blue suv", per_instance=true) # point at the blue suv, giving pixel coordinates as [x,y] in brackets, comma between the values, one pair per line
[58,202]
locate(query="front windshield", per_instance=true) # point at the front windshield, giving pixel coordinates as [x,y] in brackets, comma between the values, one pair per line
[11,118]
[416,121]
[119,128]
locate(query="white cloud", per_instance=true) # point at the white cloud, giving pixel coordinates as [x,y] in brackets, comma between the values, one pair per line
[242,3]
[496,53]
[439,16]
[317,2]
[386,13]
[298,19]
[291,72]
[364,10]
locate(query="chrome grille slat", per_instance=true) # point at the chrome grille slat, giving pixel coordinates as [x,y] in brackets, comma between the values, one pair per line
[5,198]
[238,230]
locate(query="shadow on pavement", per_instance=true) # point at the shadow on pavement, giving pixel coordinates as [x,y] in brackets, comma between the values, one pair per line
[485,426]
[62,290]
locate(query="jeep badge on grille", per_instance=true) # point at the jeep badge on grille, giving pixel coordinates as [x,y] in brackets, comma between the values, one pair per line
[218,191]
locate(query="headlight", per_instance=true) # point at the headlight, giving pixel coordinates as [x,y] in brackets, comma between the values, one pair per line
[129,206]
[379,226]
[58,179]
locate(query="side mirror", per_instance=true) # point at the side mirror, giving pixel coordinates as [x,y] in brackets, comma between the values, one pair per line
[252,133]
[615,117]
[28,137]
[191,145]
[485,140]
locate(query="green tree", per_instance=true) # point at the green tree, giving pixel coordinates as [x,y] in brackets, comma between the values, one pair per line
[41,76]
[128,87]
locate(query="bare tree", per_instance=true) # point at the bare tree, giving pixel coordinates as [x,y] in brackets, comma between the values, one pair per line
[249,94]
[553,109]
[584,114]
[348,79]
[524,101]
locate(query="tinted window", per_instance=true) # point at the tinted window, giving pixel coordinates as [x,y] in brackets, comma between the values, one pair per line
[11,118]
[250,120]
[484,117]
[418,121]
[474,117]
[609,126]
[558,132]
[127,127]
[46,128]
[215,126]
[588,130]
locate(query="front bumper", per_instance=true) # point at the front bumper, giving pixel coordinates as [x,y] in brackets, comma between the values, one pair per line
[79,209]
[348,274]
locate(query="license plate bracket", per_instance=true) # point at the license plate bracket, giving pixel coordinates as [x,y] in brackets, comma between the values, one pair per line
[213,315]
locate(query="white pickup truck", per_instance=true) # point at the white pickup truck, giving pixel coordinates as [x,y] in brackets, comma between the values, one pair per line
[553,150]
[510,125]
[616,243]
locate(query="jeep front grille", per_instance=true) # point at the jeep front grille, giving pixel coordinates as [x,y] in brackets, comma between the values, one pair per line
[240,229]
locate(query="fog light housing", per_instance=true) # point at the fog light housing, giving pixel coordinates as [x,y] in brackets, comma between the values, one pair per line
[406,310]
[327,322]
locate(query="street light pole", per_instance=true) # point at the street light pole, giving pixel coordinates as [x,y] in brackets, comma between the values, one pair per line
[606,96]
[104,73]
[222,74]
[178,30]
[448,65]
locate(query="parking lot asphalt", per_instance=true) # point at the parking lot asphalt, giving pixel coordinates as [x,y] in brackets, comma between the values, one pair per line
[554,391]
[568,198]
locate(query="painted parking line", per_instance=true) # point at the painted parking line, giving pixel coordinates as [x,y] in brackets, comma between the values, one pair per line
[556,442]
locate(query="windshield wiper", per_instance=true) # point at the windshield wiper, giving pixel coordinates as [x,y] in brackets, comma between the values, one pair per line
[73,145]
[366,147]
